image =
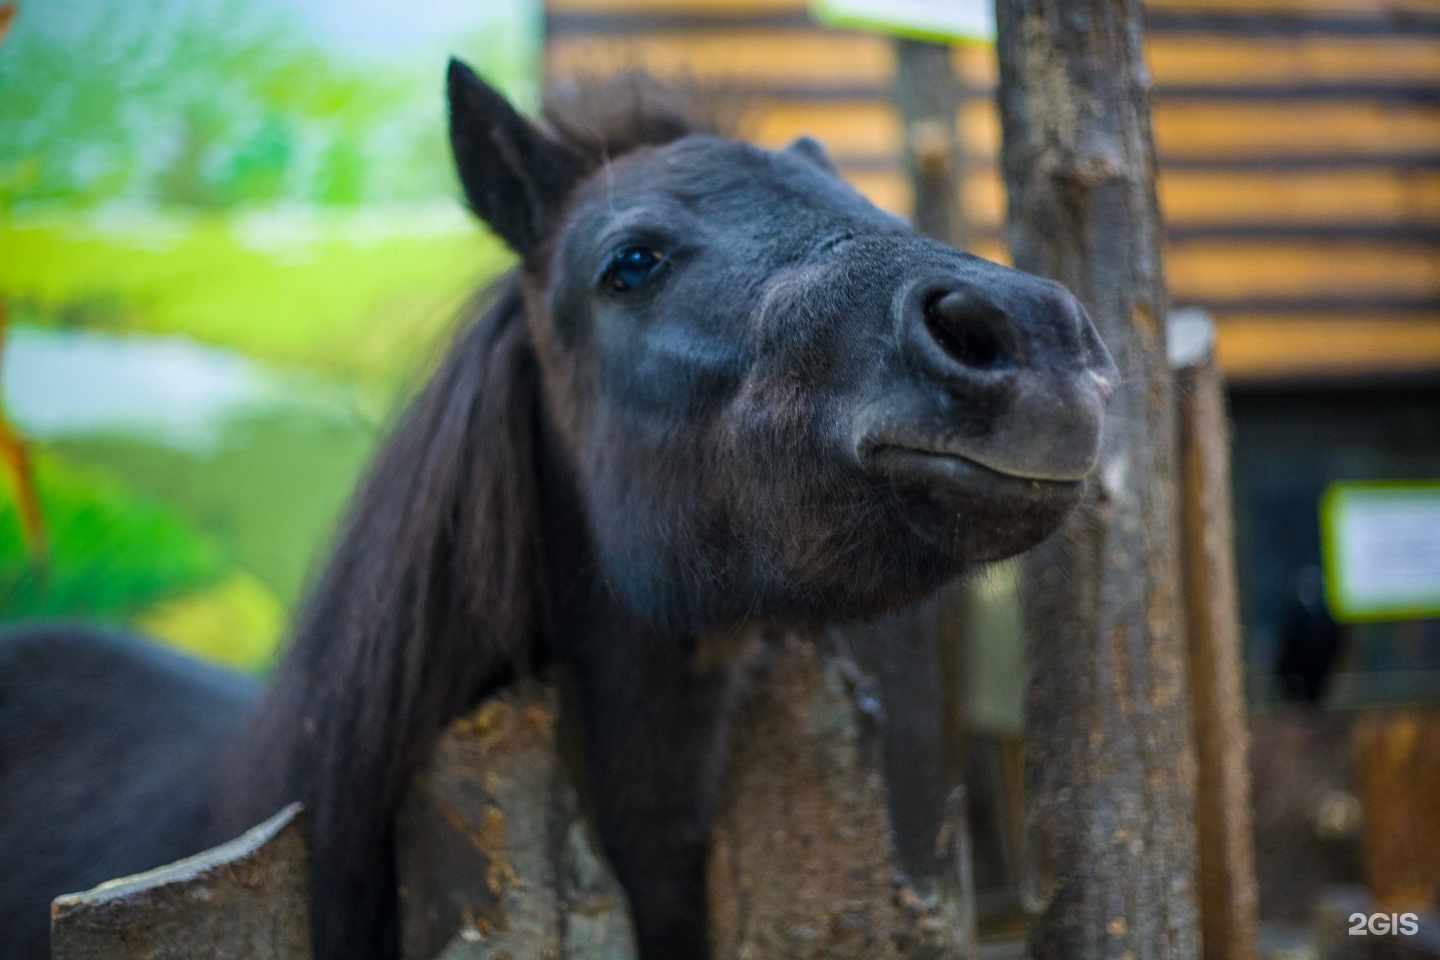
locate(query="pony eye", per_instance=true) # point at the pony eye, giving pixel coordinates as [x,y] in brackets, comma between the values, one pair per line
[631,267]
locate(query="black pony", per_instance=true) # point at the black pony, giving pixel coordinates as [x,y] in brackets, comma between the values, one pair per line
[721,391]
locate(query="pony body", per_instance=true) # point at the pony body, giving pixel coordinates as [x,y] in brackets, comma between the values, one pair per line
[721,393]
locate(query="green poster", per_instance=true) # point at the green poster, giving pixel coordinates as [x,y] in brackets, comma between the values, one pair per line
[1382,550]
[229,239]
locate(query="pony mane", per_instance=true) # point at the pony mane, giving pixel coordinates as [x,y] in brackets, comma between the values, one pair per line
[431,598]
[602,118]
[433,595]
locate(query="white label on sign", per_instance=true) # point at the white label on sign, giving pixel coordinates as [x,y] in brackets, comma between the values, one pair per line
[1383,550]
[926,19]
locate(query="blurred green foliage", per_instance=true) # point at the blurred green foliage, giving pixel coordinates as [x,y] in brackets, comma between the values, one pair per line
[110,553]
[223,103]
[345,293]
[270,495]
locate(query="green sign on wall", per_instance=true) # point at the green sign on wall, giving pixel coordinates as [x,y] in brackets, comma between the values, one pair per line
[1382,550]
[940,20]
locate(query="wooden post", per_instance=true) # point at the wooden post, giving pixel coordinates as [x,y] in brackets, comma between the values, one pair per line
[916,656]
[495,860]
[926,95]
[912,658]
[1229,899]
[1110,755]
[1397,756]
[803,863]
[248,899]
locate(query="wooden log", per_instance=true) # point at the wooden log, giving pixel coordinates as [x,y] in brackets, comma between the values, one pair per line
[802,863]
[1397,754]
[494,858]
[915,656]
[1110,753]
[912,658]
[495,861]
[1229,899]
[927,94]
[244,900]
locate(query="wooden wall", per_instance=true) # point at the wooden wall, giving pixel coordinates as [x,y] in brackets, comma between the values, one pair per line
[1299,144]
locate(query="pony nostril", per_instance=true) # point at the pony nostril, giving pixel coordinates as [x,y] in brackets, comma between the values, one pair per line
[967,331]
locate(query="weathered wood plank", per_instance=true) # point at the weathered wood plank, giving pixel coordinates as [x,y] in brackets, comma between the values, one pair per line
[845,127]
[1241,269]
[248,899]
[783,54]
[1255,345]
[494,858]
[753,56]
[802,862]
[925,96]
[1296,199]
[1397,756]
[1229,900]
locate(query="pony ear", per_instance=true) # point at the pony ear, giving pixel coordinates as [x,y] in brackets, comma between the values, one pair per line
[809,150]
[515,178]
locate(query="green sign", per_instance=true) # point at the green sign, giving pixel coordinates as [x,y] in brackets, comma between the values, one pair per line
[945,21]
[1382,550]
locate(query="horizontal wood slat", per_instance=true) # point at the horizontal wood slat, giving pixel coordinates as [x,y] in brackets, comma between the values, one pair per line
[1305,205]
[1193,130]
[848,127]
[812,61]
[801,55]
[1362,199]
[1217,269]
[1179,60]
[1201,129]
[1254,346]
[1402,163]
[777,56]
[1238,21]
[1316,8]
[1359,196]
